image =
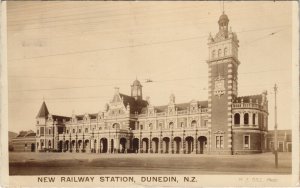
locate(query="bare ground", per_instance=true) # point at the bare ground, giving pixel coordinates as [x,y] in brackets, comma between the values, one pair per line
[141,164]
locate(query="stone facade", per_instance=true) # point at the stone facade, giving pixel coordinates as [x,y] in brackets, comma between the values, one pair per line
[224,124]
[24,142]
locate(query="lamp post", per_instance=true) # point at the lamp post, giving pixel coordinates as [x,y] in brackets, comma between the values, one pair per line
[275,129]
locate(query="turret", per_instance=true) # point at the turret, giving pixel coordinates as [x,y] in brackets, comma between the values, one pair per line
[136,90]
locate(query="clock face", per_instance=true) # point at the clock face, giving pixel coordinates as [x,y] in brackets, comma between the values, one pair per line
[219,86]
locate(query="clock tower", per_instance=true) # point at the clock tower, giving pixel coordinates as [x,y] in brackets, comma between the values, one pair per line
[222,68]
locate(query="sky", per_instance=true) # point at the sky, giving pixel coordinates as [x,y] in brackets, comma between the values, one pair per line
[72,54]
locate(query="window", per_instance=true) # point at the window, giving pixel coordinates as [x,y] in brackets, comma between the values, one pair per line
[194,123]
[225,51]
[247,141]
[86,130]
[67,131]
[213,54]
[37,122]
[237,119]
[222,141]
[73,130]
[150,126]
[181,124]
[79,130]
[253,119]
[49,131]
[141,127]
[219,141]
[42,130]
[38,132]
[246,119]
[219,53]
[205,123]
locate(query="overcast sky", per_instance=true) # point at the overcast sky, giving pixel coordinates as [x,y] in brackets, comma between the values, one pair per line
[73,54]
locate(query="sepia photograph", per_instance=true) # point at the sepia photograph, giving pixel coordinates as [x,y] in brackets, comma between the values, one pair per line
[146,91]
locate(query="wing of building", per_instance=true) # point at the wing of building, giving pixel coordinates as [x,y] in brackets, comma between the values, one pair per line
[225,123]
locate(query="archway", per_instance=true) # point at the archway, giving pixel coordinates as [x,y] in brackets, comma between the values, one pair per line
[49,144]
[86,146]
[237,119]
[79,146]
[60,146]
[166,143]
[123,145]
[32,147]
[145,142]
[66,145]
[135,145]
[189,144]
[155,142]
[103,145]
[73,145]
[202,144]
[177,144]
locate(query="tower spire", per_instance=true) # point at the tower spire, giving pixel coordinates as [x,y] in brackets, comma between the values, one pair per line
[223,7]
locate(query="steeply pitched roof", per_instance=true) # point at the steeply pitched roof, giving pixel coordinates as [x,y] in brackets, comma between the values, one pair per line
[135,105]
[246,99]
[179,106]
[43,113]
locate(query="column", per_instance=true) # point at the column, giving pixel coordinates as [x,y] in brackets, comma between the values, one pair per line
[242,118]
[183,145]
[97,145]
[140,143]
[256,119]
[118,145]
[250,118]
[150,144]
[172,144]
[108,145]
[195,145]
[158,146]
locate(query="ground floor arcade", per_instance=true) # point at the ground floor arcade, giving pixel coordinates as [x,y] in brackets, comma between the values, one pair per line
[164,144]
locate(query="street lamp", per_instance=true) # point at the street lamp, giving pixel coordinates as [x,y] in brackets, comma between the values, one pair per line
[275,128]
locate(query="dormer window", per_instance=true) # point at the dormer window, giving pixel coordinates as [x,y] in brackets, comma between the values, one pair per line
[213,54]
[225,51]
[219,53]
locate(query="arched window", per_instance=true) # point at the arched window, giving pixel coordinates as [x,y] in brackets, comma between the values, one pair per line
[194,123]
[219,53]
[181,124]
[246,119]
[225,51]
[253,119]
[213,54]
[237,119]
[141,127]
[150,126]
[171,125]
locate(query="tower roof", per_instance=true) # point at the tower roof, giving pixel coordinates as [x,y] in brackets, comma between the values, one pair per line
[43,113]
[223,18]
[136,83]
